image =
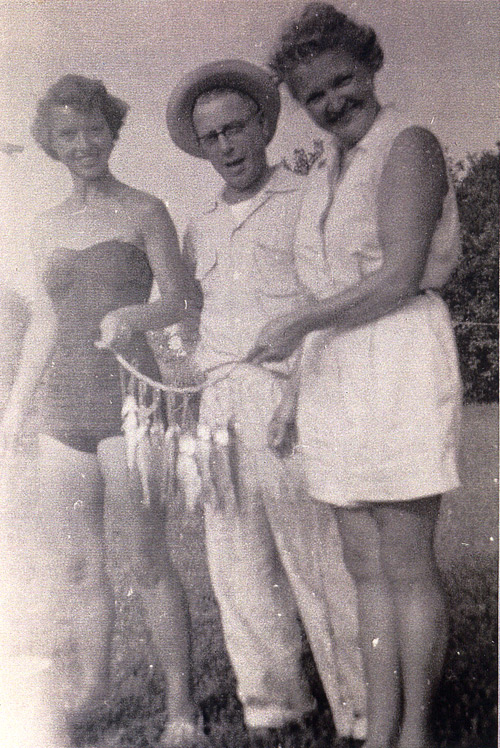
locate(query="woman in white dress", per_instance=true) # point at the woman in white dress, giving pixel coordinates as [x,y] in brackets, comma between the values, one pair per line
[378,401]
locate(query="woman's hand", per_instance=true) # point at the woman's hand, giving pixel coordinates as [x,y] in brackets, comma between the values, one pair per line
[115,331]
[282,429]
[276,341]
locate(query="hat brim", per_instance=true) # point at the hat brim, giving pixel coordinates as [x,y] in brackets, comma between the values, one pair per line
[237,74]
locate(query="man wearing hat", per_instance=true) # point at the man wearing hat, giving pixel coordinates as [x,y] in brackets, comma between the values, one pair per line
[270,547]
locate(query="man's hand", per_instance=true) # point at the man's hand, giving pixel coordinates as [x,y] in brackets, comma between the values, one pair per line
[282,429]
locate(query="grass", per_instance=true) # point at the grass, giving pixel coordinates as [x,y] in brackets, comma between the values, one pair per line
[465,714]
[465,705]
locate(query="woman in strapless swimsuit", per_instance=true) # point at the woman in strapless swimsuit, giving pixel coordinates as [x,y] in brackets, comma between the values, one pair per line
[97,254]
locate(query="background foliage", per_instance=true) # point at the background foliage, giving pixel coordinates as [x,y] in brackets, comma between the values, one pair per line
[472,291]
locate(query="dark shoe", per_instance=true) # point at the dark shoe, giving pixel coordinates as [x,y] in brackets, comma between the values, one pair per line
[288,736]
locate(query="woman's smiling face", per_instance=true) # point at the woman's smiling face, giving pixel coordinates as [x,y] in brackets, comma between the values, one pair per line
[338,93]
[81,140]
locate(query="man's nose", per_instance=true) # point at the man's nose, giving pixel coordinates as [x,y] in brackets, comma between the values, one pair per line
[334,102]
[225,144]
[82,140]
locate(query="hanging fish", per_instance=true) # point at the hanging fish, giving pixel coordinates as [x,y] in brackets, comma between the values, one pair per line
[169,462]
[157,431]
[130,425]
[187,471]
[146,436]
[221,471]
[143,458]
[202,456]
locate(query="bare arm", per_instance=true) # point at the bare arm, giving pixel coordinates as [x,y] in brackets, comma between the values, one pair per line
[410,199]
[37,345]
[174,280]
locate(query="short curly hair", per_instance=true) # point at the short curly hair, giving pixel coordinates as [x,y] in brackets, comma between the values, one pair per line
[320,27]
[82,94]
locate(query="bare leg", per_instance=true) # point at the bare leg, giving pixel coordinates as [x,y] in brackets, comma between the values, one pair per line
[157,578]
[71,496]
[377,624]
[407,531]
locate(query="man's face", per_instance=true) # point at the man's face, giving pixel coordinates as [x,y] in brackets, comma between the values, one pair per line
[232,136]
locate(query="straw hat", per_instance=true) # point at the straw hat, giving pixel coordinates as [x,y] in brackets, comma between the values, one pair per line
[236,74]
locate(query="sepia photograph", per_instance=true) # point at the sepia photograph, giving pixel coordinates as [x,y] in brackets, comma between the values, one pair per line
[249,373]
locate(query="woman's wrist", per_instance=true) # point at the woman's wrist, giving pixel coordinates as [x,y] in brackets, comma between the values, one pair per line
[312,316]
[150,315]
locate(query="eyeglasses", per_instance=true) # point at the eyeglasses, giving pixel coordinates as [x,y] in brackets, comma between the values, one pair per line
[231,131]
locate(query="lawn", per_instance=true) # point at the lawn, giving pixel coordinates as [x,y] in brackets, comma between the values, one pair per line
[465,706]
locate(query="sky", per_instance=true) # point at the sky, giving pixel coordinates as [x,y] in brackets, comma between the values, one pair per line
[441,66]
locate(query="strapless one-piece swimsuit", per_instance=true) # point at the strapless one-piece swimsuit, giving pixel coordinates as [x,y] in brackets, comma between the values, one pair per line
[80,402]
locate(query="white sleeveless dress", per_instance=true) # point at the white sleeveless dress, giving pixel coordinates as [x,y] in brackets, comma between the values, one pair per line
[379,405]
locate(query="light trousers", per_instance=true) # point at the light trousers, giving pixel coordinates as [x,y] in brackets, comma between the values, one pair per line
[276,557]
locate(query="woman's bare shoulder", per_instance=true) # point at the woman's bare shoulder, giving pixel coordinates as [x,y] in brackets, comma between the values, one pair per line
[138,202]
[47,217]
[417,143]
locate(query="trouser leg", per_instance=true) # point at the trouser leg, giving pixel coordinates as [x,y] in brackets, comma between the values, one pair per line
[307,537]
[258,613]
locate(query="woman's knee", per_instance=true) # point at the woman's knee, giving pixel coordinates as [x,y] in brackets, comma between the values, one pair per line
[85,570]
[147,573]
[409,560]
[407,541]
[75,570]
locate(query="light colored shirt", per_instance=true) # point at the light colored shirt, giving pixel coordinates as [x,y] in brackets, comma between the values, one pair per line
[245,265]
[337,235]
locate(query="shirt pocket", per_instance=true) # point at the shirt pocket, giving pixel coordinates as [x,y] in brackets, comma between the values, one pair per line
[276,275]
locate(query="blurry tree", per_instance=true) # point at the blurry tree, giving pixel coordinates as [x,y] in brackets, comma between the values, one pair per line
[472,291]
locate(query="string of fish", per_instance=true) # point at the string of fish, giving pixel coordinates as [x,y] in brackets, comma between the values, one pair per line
[193,459]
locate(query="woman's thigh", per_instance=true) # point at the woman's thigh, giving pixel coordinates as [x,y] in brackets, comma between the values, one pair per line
[135,525]
[359,533]
[71,507]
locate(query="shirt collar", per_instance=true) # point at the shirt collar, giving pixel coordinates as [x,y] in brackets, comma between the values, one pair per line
[282,180]
[386,112]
